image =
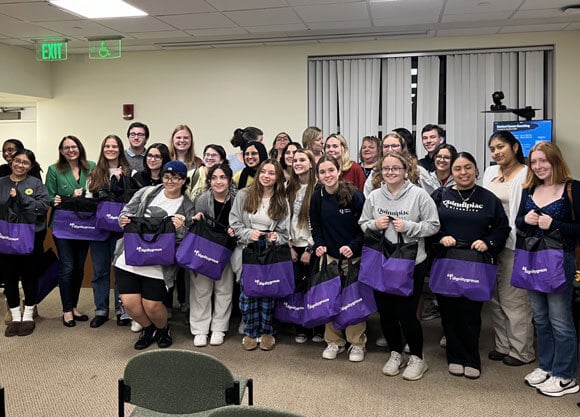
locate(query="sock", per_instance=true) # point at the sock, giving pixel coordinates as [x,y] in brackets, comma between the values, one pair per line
[16,314]
[28,313]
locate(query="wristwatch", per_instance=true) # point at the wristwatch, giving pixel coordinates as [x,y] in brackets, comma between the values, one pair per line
[308,249]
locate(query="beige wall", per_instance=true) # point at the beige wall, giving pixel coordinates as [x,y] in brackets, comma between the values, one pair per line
[216,90]
[21,74]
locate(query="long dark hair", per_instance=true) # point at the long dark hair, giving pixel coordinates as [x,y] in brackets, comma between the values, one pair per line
[278,208]
[99,177]
[35,168]
[508,137]
[165,158]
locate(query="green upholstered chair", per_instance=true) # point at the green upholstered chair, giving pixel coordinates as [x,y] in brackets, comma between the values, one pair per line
[174,381]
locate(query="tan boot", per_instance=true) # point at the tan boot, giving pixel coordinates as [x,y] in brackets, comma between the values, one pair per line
[8,316]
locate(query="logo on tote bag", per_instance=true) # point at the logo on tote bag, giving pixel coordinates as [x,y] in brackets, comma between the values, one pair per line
[81,226]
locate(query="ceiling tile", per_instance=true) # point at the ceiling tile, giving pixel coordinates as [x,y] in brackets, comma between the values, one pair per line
[405,21]
[35,12]
[573,26]
[468,31]
[475,17]
[423,9]
[313,2]
[217,32]
[479,6]
[543,4]
[230,5]
[296,27]
[199,21]
[338,25]
[281,16]
[533,28]
[136,24]
[26,30]
[80,28]
[161,35]
[530,14]
[163,8]
[338,12]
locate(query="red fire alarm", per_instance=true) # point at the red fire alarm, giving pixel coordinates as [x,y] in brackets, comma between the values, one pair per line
[128,111]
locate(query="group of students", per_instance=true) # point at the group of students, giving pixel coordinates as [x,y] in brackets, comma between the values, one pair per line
[313,197]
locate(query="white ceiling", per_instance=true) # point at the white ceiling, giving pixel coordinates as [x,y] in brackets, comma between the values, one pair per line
[175,24]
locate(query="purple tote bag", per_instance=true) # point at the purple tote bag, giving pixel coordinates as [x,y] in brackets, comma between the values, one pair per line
[539,263]
[150,241]
[387,267]
[108,215]
[267,270]
[459,271]
[16,238]
[357,300]
[205,250]
[76,218]
[322,296]
[290,309]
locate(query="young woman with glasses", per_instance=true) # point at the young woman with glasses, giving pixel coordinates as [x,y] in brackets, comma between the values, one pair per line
[441,176]
[156,156]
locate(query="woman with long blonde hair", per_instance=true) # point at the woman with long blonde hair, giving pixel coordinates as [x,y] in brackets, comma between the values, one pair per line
[336,146]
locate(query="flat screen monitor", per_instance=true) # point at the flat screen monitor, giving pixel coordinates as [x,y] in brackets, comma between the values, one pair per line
[528,132]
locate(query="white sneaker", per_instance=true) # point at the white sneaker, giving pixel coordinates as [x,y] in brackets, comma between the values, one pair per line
[407,349]
[393,365]
[242,327]
[356,353]
[536,377]
[381,342]
[200,340]
[317,338]
[217,338]
[557,387]
[301,338]
[332,351]
[416,367]
[443,342]
[135,326]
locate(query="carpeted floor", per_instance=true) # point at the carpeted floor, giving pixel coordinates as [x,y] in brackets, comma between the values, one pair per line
[59,371]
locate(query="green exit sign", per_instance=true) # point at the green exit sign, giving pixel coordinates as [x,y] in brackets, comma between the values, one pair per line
[52,51]
[105,49]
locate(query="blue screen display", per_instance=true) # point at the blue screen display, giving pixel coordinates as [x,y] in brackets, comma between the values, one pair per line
[528,132]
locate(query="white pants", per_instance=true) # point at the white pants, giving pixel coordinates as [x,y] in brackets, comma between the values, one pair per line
[511,313]
[201,317]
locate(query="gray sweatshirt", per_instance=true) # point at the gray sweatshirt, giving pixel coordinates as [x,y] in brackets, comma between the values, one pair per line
[412,204]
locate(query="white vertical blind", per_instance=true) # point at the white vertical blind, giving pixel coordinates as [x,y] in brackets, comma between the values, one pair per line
[396,103]
[428,68]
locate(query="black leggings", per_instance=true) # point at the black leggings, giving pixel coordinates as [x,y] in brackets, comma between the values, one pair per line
[23,268]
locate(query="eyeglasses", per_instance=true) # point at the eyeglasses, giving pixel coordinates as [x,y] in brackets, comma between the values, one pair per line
[211,155]
[393,146]
[70,148]
[282,138]
[137,134]
[154,157]
[255,153]
[8,150]
[172,179]
[443,157]
[392,169]
[22,162]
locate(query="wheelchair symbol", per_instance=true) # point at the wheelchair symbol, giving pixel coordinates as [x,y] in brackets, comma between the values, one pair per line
[104,51]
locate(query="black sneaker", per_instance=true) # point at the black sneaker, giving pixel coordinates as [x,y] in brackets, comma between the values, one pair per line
[147,337]
[164,339]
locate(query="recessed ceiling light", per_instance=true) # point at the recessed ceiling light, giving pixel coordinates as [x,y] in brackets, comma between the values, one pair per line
[571,9]
[99,9]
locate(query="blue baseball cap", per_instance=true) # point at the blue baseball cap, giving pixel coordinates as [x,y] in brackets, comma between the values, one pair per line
[175,167]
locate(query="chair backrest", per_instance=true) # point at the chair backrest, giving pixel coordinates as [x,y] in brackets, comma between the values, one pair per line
[250,411]
[176,381]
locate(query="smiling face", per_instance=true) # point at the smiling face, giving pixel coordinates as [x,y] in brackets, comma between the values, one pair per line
[393,171]
[464,173]
[369,152]
[211,157]
[333,148]
[541,167]
[182,141]
[137,137]
[501,152]
[251,157]
[443,160]
[267,176]
[154,159]
[8,151]
[289,155]
[111,150]
[70,150]
[20,165]
[172,184]
[431,140]
[301,164]
[219,182]
[328,175]
[391,144]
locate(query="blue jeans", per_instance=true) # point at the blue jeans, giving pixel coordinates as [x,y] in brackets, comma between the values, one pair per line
[555,327]
[72,255]
[102,255]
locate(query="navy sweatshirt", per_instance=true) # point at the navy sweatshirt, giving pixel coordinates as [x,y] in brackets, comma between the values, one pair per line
[334,226]
[481,216]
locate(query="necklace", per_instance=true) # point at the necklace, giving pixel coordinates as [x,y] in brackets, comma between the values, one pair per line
[465,200]
[505,173]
